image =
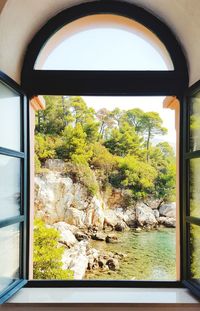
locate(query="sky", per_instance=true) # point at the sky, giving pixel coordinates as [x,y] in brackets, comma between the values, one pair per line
[114,49]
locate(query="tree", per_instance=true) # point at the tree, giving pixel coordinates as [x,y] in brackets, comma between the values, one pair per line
[74,145]
[45,147]
[151,126]
[135,175]
[106,121]
[124,141]
[135,118]
[164,161]
[47,254]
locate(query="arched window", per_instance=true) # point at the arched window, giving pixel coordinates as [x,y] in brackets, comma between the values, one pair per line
[108,68]
[97,44]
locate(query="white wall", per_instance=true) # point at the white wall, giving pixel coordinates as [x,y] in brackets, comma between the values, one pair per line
[21,19]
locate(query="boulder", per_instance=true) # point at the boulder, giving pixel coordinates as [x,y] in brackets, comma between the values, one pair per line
[80,236]
[156,213]
[111,239]
[167,222]
[120,226]
[75,217]
[76,259]
[111,217]
[66,236]
[113,264]
[145,215]
[168,210]
[98,237]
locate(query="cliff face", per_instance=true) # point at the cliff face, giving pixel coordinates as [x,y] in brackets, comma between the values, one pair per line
[58,198]
[66,206]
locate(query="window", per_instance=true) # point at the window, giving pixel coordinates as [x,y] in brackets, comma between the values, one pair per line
[192,161]
[106,42]
[13,167]
[169,80]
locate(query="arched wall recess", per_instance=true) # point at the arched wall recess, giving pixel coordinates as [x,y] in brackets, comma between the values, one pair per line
[112,82]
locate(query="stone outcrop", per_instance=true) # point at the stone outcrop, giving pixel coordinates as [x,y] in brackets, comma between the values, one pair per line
[168,210]
[145,216]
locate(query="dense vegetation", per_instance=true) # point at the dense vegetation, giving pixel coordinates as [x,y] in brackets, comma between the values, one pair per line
[47,254]
[107,149]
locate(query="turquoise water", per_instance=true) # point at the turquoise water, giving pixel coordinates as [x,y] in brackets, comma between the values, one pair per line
[150,256]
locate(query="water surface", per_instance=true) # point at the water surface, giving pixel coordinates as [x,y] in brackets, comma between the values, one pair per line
[150,256]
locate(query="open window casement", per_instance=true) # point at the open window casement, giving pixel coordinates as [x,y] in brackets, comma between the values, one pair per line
[13,187]
[191,199]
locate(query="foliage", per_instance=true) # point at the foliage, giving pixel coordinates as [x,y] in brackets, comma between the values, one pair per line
[44,147]
[74,145]
[107,149]
[47,255]
[83,174]
[135,175]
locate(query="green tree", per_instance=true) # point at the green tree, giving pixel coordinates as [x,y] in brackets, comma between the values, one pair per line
[135,175]
[124,141]
[151,126]
[163,160]
[47,255]
[74,145]
[45,147]
[106,121]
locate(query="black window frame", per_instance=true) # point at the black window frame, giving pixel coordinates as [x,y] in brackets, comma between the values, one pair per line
[22,219]
[187,219]
[124,83]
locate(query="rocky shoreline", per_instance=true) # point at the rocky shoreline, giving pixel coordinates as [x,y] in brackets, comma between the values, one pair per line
[79,218]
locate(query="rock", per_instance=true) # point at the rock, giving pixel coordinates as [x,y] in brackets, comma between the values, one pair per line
[120,226]
[113,264]
[167,222]
[80,236]
[76,259]
[75,217]
[145,215]
[156,213]
[56,165]
[138,229]
[93,256]
[111,239]
[168,210]
[153,204]
[111,218]
[66,236]
[98,237]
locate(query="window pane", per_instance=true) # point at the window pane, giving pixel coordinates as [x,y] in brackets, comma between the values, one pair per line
[9,118]
[195,187]
[9,187]
[195,122]
[195,251]
[104,42]
[9,255]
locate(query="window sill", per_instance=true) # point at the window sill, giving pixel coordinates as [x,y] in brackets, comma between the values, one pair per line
[104,296]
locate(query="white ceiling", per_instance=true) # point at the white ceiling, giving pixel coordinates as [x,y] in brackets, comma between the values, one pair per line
[21,19]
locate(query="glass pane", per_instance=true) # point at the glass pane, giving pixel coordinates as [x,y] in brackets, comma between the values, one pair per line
[104,42]
[9,255]
[195,187]
[9,118]
[195,251]
[9,187]
[195,122]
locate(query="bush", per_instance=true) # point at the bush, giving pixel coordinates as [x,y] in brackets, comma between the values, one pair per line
[47,255]
[83,174]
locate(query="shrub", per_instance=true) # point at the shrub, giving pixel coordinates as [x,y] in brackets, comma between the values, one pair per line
[47,255]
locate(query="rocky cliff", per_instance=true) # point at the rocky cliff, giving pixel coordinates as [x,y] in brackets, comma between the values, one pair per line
[79,217]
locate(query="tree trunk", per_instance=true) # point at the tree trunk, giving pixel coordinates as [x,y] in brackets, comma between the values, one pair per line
[148,143]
